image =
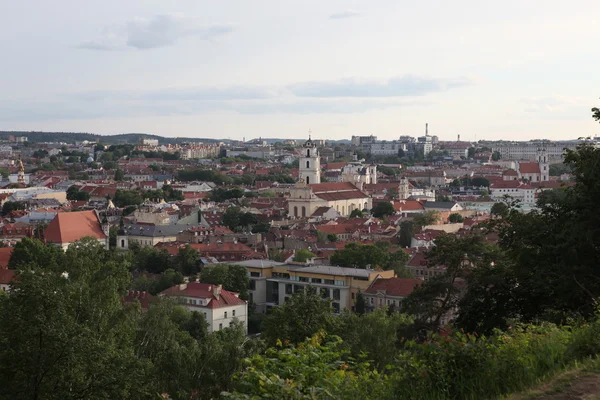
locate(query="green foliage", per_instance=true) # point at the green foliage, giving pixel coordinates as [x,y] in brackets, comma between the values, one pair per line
[219,194]
[455,217]
[303,255]
[496,156]
[32,252]
[559,169]
[153,260]
[426,218]
[4,173]
[383,209]
[480,181]
[74,194]
[360,256]
[187,261]
[499,209]
[356,213]
[233,278]
[124,198]
[302,316]
[389,171]
[10,206]
[332,237]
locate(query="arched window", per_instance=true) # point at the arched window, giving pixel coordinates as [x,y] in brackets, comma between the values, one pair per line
[303,211]
[308,164]
[122,243]
[308,153]
[307,180]
[295,211]
[365,206]
[343,210]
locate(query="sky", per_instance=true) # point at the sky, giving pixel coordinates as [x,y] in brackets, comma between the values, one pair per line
[234,69]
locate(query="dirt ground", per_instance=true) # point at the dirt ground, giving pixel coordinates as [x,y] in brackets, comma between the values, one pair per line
[572,385]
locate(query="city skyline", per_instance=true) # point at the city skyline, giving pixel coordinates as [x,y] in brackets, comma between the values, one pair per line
[265,69]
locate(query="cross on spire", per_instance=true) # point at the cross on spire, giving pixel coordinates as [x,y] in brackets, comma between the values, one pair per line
[309,134]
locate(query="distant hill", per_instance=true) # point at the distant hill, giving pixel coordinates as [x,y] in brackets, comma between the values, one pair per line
[71,137]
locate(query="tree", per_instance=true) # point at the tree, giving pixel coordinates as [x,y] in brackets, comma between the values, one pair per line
[232,218]
[426,218]
[124,198]
[302,316]
[356,213]
[383,209]
[363,256]
[361,304]
[406,233]
[10,206]
[303,255]
[480,181]
[28,252]
[496,156]
[499,209]
[4,173]
[455,217]
[233,278]
[119,175]
[153,260]
[332,237]
[64,333]
[471,152]
[187,261]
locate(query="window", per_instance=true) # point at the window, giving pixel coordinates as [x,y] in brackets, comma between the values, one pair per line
[303,279]
[220,326]
[233,313]
[225,314]
[122,242]
[252,284]
[255,274]
[295,211]
[329,281]
[336,294]
[304,208]
[308,153]
[288,289]
[308,164]
[325,293]
[316,280]
[371,300]
[308,180]
[352,296]
[336,307]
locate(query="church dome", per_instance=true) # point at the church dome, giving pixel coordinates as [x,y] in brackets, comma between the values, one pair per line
[309,143]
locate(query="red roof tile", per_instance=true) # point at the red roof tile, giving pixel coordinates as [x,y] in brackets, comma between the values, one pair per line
[205,291]
[398,287]
[5,254]
[72,226]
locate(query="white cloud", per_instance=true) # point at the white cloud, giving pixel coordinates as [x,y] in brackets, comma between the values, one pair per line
[158,31]
[345,14]
[554,104]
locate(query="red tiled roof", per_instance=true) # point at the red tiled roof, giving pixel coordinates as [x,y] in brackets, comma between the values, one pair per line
[399,287]
[510,172]
[529,168]
[205,291]
[143,297]
[72,226]
[6,276]
[408,205]
[5,253]
[221,247]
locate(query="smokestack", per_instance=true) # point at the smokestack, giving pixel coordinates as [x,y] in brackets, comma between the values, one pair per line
[459,137]
[426,129]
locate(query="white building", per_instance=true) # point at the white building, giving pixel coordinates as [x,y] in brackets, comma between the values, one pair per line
[220,307]
[517,190]
[529,150]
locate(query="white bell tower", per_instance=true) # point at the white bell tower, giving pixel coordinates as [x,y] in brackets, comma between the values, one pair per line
[310,163]
[542,158]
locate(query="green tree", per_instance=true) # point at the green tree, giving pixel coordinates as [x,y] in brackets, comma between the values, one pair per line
[356,255]
[187,261]
[233,278]
[153,260]
[361,304]
[64,333]
[356,213]
[426,218]
[499,209]
[455,217]
[119,175]
[406,233]
[480,181]
[33,252]
[332,237]
[303,255]
[10,206]
[496,156]
[302,316]
[383,209]
[232,218]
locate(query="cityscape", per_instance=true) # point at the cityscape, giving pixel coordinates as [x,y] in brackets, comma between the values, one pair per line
[280,200]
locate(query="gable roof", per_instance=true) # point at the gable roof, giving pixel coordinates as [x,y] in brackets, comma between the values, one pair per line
[529,168]
[6,276]
[72,226]
[398,287]
[204,291]
[5,253]
[439,204]
[332,191]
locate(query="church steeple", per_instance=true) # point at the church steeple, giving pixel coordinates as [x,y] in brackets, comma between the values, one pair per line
[310,164]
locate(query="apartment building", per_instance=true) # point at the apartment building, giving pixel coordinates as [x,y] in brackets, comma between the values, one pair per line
[273,283]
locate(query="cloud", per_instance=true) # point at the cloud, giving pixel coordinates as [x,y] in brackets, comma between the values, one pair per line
[345,14]
[407,85]
[553,104]
[150,33]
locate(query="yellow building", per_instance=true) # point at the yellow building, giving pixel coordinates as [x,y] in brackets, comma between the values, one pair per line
[272,283]
[344,197]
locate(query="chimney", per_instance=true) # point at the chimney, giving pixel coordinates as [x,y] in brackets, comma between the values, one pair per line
[217,291]
[182,286]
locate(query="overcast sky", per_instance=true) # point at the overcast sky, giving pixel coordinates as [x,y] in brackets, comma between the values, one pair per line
[510,69]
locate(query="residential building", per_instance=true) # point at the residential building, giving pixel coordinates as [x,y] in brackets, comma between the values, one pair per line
[146,235]
[6,277]
[220,307]
[389,292]
[529,150]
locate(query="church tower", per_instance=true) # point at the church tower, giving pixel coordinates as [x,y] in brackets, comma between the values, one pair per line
[310,163]
[542,159]
[403,189]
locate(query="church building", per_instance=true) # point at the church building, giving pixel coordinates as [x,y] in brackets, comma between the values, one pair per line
[309,193]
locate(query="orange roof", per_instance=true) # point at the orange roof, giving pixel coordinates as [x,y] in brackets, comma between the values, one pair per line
[529,168]
[5,253]
[398,287]
[72,226]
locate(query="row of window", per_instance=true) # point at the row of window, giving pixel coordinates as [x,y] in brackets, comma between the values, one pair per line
[318,280]
[325,292]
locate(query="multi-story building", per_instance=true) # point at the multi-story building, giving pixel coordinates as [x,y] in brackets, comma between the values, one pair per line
[220,307]
[272,283]
[389,292]
[530,150]
[197,151]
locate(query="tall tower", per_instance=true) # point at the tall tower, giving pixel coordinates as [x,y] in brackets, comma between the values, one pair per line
[542,159]
[21,173]
[310,163]
[403,189]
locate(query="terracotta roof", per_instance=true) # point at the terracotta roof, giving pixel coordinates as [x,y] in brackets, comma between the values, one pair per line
[221,247]
[408,205]
[398,287]
[529,168]
[510,172]
[337,191]
[143,297]
[205,291]
[5,253]
[6,276]
[72,226]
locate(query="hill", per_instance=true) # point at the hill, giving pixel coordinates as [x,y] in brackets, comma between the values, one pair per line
[71,137]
